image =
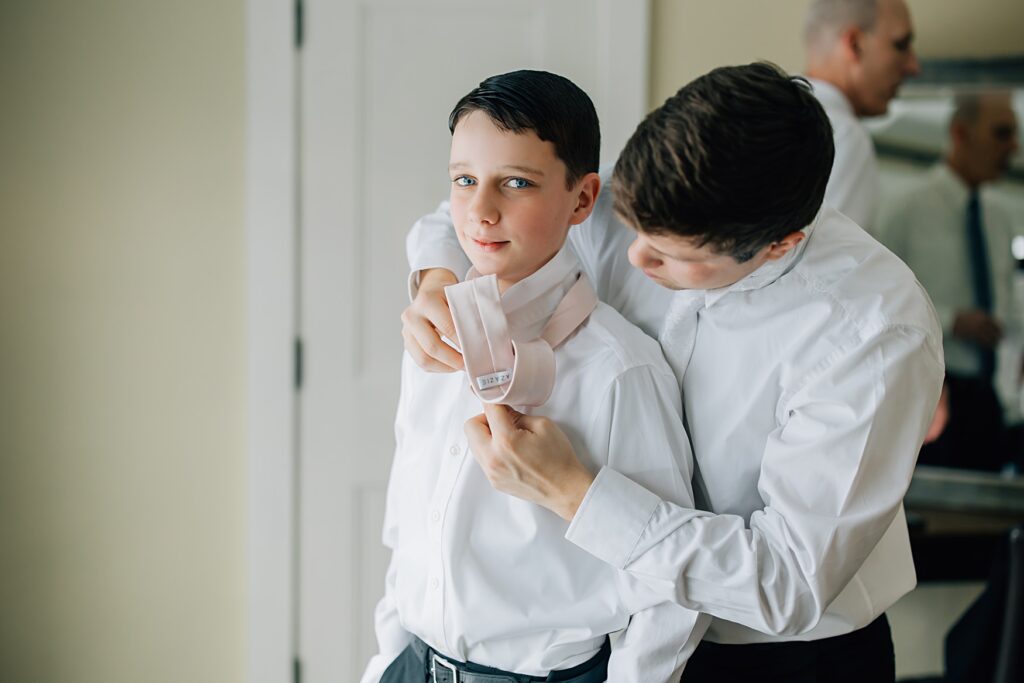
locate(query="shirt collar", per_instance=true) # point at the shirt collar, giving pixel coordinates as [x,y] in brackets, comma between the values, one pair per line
[831,97]
[953,187]
[530,302]
[770,271]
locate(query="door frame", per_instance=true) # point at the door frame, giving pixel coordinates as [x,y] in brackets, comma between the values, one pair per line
[271,225]
[272,234]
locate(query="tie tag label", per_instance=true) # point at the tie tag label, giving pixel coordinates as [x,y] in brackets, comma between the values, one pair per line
[495,379]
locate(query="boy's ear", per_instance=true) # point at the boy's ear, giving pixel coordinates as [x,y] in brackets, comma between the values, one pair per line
[777,250]
[587,189]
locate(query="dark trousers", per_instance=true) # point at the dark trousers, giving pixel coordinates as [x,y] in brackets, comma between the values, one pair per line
[863,656]
[975,437]
[407,668]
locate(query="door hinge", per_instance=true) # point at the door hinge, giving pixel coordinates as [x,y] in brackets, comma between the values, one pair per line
[300,27]
[298,363]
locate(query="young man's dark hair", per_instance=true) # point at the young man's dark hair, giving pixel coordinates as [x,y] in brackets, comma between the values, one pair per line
[551,106]
[737,159]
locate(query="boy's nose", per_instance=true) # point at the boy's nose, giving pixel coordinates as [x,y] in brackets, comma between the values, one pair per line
[483,208]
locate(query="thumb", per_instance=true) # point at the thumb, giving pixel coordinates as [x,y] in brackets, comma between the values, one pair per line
[440,316]
[501,418]
[477,430]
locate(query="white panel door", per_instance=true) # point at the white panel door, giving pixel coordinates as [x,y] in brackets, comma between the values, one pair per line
[377,81]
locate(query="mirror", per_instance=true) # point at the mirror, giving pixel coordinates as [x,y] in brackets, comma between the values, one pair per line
[957,515]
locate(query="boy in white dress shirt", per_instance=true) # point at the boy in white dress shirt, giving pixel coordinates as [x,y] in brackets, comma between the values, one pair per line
[483,587]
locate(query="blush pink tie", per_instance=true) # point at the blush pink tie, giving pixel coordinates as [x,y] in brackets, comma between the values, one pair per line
[500,369]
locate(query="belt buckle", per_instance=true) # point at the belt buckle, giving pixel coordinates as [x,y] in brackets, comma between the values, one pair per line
[435,660]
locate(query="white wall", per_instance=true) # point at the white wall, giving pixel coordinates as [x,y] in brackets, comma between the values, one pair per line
[122,341]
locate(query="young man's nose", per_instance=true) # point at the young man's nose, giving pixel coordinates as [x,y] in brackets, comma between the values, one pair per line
[641,257]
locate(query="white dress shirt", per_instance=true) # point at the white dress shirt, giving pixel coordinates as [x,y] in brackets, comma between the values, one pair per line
[927,228]
[853,185]
[808,391]
[484,577]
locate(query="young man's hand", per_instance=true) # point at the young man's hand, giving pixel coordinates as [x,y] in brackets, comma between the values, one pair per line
[940,418]
[426,319]
[528,457]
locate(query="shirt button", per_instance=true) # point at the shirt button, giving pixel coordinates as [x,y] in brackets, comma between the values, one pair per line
[435,515]
[454,450]
[435,583]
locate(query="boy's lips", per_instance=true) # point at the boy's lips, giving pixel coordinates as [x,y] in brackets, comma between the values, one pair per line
[488,245]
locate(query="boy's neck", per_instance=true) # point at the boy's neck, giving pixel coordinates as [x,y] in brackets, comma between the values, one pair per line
[504,284]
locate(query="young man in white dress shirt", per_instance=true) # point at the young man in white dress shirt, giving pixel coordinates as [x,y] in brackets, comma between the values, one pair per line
[482,585]
[859,52]
[968,275]
[810,362]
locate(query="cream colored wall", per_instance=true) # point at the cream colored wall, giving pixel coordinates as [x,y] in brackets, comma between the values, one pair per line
[689,37]
[122,341]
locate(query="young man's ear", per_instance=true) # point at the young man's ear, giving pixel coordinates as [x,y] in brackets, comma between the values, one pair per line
[587,188]
[777,250]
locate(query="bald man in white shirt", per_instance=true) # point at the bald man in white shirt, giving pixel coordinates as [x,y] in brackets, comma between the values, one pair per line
[810,363]
[858,54]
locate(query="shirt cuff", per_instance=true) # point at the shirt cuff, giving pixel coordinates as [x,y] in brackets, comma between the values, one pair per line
[612,517]
[436,258]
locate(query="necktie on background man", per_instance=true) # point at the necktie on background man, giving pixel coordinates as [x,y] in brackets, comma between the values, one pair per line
[981,279]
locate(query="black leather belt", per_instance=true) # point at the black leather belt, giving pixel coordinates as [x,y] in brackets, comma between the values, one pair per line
[444,670]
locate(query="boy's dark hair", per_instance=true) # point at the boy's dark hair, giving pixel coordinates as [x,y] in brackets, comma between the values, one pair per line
[552,106]
[738,159]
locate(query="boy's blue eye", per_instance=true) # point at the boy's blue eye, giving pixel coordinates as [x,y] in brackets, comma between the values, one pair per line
[463,181]
[518,183]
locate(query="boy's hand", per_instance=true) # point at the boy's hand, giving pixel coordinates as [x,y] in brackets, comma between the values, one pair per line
[426,319]
[530,458]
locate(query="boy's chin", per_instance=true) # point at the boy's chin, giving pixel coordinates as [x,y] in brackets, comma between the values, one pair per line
[506,276]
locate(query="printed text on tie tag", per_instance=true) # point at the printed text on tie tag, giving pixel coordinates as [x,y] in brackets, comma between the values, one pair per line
[494,379]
